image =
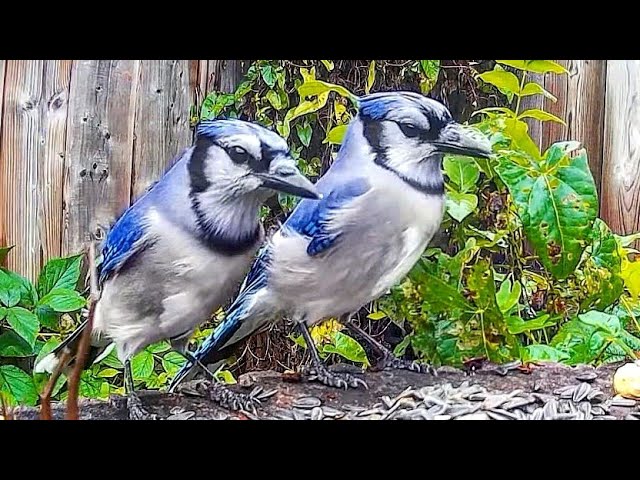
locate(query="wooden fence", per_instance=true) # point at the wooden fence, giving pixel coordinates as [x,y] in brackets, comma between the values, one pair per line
[79,140]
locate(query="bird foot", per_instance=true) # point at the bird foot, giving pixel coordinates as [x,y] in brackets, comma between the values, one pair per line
[136,410]
[392,362]
[331,379]
[227,398]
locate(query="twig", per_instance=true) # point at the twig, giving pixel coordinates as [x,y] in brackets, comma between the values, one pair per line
[85,340]
[45,398]
[6,411]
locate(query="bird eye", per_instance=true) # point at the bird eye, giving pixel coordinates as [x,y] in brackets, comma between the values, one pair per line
[409,130]
[238,154]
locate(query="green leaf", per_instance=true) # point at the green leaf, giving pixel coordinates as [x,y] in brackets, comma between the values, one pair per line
[328,64]
[517,325]
[108,373]
[627,240]
[482,287]
[557,205]
[172,362]
[4,251]
[545,66]
[275,100]
[159,347]
[541,353]
[24,323]
[336,135]
[540,115]
[18,385]
[440,296]
[518,131]
[317,87]
[431,70]
[63,300]
[508,295]
[379,315]
[142,365]
[463,171]
[9,289]
[346,347]
[602,321]
[506,82]
[461,205]
[533,88]
[268,75]
[225,376]
[92,386]
[519,64]
[304,133]
[47,317]
[303,108]
[41,381]
[401,348]
[59,273]
[47,348]
[371,78]
[12,345]
[111,359]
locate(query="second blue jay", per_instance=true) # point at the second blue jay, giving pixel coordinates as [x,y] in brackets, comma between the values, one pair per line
[181,250]
[383,200]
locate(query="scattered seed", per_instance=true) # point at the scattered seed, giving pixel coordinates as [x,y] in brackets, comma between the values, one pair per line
[307,403]
[581,392]
[586,376]
[317,414]
[619,401]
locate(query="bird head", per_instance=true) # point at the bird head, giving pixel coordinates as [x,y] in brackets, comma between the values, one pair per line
[409,134]
[243,158]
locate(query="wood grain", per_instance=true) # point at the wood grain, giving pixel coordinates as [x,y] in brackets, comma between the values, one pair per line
[21,142]
[3,190]
[557,85]
[225,75]
[162,120]
[621,164]
[530,102]
[99,148]
[57,77]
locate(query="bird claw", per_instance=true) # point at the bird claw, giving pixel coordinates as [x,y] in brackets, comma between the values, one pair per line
[231,400]
[391,362]
[136,410]
[336,380]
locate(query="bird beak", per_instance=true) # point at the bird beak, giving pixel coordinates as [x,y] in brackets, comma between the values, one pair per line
[285,177]
[457,139]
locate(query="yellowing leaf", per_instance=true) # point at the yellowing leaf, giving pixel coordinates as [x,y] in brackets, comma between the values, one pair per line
[630,273]
[379,315]
[336,135]
[505,81]
[371,77]
[540,115]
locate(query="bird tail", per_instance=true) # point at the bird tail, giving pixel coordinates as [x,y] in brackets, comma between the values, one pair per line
[51,361]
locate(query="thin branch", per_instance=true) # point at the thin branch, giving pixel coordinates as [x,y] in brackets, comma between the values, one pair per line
[45,398]
[85,340]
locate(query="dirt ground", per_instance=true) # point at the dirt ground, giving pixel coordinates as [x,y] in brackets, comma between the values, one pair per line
[295,396]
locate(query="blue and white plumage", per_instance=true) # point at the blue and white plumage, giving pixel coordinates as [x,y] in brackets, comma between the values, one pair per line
[182,249]
[383,200]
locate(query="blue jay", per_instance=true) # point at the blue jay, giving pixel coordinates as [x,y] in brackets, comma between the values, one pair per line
[383,200]
[180,251]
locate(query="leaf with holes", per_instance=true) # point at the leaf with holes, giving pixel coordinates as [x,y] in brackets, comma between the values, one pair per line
[461,205]
[347,347]
[557,203]
[59,273]
[24,323]
[463,171]
[18,385]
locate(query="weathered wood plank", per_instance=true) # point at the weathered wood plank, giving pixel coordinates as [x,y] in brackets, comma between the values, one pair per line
[99,146]
[162,119]
[57,76]
[225,75]
[3,191]
[533,101]
[557,85]
[621,164]
[21,141]
[585,110]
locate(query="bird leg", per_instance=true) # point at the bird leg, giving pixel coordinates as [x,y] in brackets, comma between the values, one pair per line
[319,371]
[388,360]
[134,404]
[221,394]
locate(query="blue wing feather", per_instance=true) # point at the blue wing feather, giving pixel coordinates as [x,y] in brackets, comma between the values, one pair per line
[123,241]
[311,217]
